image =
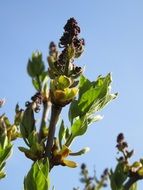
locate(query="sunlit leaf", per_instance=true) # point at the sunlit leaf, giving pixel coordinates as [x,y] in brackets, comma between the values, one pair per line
[38,176]
[93,96]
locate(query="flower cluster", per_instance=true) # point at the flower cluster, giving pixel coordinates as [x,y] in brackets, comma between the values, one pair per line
[122,146]
[37,100]
[125,174]
[61,64]
[92,182]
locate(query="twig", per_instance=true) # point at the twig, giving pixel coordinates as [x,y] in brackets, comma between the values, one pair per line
[55,112]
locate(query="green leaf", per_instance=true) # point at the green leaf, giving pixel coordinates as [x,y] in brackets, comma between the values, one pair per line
[2,166]
[5,153]
[28,122]
[28,153]
[61,133]
[67,133]
[3,141]
[39,82]
[33,138]
[36,84]
[79,127]
[91,119]
[118,177]
[93,96]
[38,176]
[112,182]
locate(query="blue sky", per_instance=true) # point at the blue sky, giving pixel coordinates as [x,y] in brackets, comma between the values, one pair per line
[113,31]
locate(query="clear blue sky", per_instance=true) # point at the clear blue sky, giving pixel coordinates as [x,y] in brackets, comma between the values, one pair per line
[113,31]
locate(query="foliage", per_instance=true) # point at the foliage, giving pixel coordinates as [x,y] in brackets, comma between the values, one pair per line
[47,145]
[123,177]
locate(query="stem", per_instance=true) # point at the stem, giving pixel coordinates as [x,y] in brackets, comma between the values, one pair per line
[55,112]
[69,140]
[130,182]
[46,108]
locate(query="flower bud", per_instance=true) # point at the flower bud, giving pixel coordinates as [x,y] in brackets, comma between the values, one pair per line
[140,172]
[136,166]
[82,151]
[63,82]
[63,97]
[35,66]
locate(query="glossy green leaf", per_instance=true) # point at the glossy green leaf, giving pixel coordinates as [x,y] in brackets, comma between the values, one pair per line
[93,96]
[28,122]
[79,127]
[38,176]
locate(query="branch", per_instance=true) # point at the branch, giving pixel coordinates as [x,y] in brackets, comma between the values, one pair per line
[55,112]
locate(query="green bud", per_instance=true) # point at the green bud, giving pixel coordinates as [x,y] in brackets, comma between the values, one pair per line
[18,116]
[35,66]
[34,153]
[63,97]
[63,82]
[51,60]
[82,151]
[12,133]
[136,165]
[28,153]
[140,172]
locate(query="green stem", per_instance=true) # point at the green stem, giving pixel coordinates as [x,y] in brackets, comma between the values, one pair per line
[55,112]
[46,108]
[69,140]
